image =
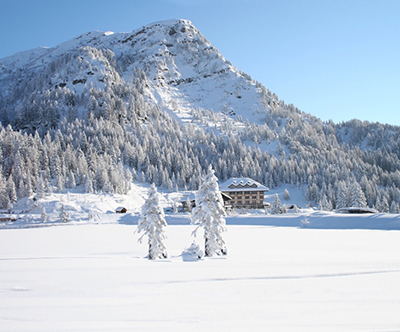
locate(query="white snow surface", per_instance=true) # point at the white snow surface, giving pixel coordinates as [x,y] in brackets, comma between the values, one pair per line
[96,278]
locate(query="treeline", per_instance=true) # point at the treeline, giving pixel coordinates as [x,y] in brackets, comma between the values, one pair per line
[105,155]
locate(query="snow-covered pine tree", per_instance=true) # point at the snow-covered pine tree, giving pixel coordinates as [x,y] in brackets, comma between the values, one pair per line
[286,195]
[189,204]
[385,205]
[40,191]
[3,191]
[341,195]
[325,204]
[276,207]
[12,193]
[152,223]
[356,196]
[43,216]
[209,213]
[378,204]
[63,214]
[394,207]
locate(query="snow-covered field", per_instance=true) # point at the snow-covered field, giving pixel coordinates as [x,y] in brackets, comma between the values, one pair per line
[96,278]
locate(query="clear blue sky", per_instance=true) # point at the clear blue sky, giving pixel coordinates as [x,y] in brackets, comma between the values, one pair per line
[335,59]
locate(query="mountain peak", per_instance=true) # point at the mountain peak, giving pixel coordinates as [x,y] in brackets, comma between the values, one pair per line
[184,70]
[171,22]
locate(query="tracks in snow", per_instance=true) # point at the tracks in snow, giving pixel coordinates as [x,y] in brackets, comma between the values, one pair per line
[284,277]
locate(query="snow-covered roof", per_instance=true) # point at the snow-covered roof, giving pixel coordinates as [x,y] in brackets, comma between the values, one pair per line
[190,196]
[242,184]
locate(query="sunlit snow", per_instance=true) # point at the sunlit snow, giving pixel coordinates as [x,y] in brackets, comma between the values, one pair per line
[97,278]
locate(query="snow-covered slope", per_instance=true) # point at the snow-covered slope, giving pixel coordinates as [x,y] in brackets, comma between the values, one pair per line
[127,90]
[184,70]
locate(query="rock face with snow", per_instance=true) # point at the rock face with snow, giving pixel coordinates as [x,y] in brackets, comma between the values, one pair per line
[184,71]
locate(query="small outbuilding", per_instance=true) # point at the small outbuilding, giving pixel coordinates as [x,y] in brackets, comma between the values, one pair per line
[121,210]
[7,217]
[357,210]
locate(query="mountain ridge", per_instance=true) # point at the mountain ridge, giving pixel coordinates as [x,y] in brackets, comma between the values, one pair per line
[167,62]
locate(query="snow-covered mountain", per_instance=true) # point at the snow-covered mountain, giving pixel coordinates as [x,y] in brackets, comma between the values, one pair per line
[183,70]
[163,103]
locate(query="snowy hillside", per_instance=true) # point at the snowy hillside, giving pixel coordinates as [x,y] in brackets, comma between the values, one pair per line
[160,104]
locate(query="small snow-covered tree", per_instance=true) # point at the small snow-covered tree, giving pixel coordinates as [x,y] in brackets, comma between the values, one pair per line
[152,223]
[40,190]
[12,193]
[286,195]
[60,184]
[175,205]
[341,195]
[325,204]
[88,185]
[304,222]
[394,207]
[3,191]
[63,214]
[276,207]
[385,205]
[189,204]
[43,216]
[209,213]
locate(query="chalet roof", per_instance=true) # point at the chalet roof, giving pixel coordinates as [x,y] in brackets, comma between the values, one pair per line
[242,184]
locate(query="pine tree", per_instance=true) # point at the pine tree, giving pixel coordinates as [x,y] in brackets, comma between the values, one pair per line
[209,213]
[3,191]
[385,205]
[40,191]
[286,195]
[341,196]
[63,214]
[356,196]
[60,183]
[152,223]
[378,204]
[276,207]
[394,207]
[325,204]
[43,216]
[12,194]
[128,180]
